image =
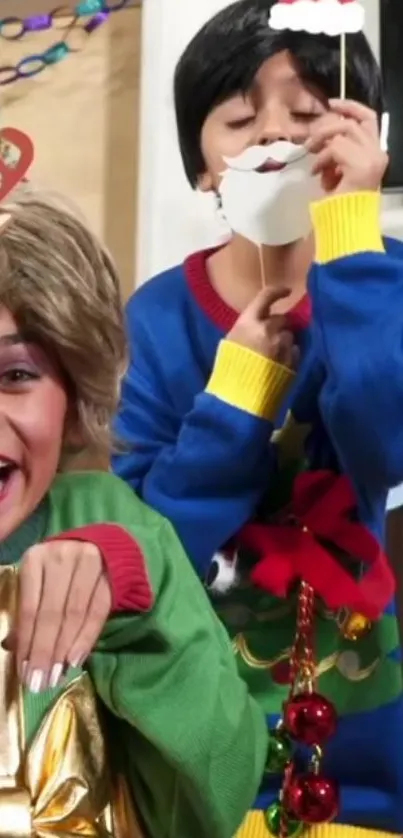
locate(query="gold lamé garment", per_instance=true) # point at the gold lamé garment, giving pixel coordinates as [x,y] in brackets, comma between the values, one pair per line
[60,786]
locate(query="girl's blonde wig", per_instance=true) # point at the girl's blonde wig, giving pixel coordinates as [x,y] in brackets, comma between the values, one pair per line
[62,288]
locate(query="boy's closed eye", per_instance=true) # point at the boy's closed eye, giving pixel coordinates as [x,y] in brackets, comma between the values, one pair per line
[242,122]
[305,116]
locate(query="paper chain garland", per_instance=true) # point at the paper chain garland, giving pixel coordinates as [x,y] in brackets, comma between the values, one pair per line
[96,12]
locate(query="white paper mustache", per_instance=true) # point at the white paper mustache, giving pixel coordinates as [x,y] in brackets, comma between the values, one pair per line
[255,156]
[269,204]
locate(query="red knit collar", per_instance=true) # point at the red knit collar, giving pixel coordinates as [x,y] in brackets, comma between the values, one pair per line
[219,311]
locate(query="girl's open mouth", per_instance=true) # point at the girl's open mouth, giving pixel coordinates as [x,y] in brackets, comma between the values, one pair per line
[7,469]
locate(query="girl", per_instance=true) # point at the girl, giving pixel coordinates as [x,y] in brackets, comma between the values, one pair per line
[155,715]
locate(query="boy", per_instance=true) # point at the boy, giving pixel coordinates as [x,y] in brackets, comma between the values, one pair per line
[175,720]
[211,379]
[197,418]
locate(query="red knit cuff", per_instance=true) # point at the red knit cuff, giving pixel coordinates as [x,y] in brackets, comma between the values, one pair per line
[124,563]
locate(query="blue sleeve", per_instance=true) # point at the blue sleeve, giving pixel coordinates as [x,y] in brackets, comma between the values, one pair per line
[358,336]
[205,471]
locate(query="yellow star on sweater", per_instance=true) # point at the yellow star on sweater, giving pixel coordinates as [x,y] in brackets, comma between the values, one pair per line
[290,439]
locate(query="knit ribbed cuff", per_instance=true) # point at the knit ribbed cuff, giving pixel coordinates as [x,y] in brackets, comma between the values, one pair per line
[124,563]
[345,225]
[249,381]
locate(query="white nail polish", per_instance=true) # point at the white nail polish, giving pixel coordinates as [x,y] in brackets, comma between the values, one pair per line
[55,675]
[35,681]
[77,662]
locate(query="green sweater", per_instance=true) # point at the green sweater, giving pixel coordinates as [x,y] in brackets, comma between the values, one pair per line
[193,743]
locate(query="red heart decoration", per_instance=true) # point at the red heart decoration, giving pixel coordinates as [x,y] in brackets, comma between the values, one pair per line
[16,156]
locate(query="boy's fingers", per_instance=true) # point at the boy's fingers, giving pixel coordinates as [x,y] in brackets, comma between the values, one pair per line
[324,160]
[329,121]
[260,307]
[344,127]
[349,107]
[337,153]
[275,323]
[286,340]
[355,110]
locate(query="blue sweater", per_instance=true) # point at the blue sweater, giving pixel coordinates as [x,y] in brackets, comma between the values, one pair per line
[202,460]
[200,415]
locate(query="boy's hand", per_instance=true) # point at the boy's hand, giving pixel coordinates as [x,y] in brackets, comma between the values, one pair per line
[266,333]
[346,143]
[64,602]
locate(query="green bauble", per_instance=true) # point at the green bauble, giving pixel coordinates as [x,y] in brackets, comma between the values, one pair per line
[279,752]
[273,820]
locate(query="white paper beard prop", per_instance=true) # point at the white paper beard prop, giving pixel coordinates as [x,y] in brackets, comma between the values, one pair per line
[266,192]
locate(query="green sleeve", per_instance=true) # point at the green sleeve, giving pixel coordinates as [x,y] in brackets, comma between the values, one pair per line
[171,674]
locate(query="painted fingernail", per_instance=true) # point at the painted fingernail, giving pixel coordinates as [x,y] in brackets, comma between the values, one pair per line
[55,675]
[77,662]
[24,667]
[35,681]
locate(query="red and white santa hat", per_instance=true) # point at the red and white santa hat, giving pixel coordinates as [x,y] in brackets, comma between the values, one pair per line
[330,17]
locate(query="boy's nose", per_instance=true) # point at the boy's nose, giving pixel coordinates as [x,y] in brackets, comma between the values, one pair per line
[274,125]
[272,133]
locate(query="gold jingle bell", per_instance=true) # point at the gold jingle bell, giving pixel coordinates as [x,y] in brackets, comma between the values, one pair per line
[355,626]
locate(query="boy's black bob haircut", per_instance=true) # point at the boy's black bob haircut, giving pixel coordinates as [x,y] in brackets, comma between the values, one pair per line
[225,55]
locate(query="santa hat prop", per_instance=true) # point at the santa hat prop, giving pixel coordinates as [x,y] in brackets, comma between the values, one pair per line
[328,17]
[16,157]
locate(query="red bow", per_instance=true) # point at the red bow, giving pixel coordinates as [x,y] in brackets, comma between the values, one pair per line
[319,515]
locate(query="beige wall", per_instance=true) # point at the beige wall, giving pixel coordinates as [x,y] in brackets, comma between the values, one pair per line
[83,117]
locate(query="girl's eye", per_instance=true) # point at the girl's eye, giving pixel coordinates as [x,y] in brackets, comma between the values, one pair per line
[240,123]
[16,376]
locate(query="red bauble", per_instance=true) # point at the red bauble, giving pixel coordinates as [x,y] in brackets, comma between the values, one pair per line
[312,798]
[310,718]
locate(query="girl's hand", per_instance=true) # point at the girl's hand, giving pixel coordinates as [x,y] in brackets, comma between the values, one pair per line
[64,602]
[346,143]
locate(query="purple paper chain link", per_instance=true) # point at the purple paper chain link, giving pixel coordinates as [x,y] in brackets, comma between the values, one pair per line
[36,23]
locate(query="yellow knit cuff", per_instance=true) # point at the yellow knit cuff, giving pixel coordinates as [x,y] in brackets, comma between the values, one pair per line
[347,224]
[249,381]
